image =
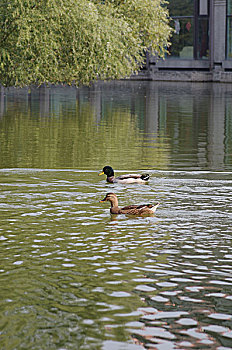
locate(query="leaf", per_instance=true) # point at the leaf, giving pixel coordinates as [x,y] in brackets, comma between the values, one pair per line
[78,41]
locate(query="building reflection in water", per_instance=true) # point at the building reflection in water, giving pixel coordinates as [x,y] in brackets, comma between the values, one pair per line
[189,123]
[194,118]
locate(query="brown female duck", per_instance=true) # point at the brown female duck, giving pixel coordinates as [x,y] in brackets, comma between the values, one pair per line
[144,209]
[123,179]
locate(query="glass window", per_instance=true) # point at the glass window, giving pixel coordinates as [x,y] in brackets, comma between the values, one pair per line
[203,42]
[229,37]
[229,29]
[181,8]
[229,7]
[190,20]
[182,39]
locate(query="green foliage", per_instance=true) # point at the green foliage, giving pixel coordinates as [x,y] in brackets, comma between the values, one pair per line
[67,41]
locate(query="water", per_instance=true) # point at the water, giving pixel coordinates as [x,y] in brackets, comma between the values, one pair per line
[72,276]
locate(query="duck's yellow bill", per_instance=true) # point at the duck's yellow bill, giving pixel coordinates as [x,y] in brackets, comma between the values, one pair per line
[102,173]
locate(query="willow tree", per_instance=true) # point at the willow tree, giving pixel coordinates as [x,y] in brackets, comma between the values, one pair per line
[78,41]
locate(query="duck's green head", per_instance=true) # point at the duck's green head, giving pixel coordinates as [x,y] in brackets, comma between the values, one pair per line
[107,170]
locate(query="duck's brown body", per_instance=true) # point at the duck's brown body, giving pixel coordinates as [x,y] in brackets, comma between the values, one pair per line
[144,209]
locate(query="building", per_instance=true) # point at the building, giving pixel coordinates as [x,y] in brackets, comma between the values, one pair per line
[201,47]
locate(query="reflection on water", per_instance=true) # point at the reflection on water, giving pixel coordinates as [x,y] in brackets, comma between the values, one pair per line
[71,276]
[138,125]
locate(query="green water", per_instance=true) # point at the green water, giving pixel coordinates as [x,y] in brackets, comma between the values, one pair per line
[129,125]
[72,276]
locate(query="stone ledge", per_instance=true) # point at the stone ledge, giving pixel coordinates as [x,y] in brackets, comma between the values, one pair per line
[198,76]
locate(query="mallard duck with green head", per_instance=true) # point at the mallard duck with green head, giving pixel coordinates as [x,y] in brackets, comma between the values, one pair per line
[143,209]
[123,179]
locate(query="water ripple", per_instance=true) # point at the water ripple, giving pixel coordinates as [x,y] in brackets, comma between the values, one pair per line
[163,282]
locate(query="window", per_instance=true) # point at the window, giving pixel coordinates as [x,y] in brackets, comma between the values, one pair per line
[229,29]
[190,21]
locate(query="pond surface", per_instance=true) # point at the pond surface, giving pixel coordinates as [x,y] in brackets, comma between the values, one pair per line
[72,276]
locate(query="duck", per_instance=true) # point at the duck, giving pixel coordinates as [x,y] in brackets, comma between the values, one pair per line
[143,209]
[123,179]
